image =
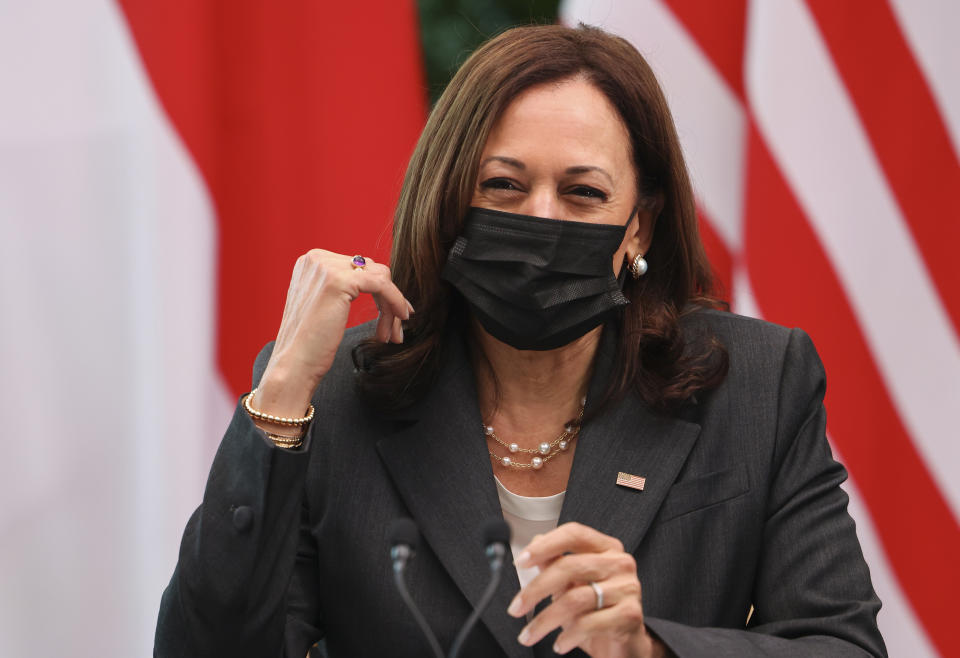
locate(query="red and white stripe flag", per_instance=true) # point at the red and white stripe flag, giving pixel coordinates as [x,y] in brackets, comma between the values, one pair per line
[162,165]
[823,141]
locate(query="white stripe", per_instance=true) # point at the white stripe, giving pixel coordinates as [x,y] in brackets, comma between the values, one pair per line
[898,624]
[106,288]
[930,28]
[744,300]
[813,132]
[709,117]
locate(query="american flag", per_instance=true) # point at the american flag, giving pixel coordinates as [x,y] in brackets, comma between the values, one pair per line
[823,140]
[637,482]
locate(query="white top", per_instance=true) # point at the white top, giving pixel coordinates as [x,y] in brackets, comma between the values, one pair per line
[527,517]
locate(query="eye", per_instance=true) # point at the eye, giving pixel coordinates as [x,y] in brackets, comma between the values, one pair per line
[589,192]
[499,184]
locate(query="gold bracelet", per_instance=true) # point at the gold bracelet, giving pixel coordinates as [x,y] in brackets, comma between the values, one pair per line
[282,441]
[276,420]
[284,437]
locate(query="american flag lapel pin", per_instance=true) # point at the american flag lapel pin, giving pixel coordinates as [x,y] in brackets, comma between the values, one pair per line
[632,481]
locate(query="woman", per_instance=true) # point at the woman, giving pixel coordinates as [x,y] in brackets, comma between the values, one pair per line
[546,329]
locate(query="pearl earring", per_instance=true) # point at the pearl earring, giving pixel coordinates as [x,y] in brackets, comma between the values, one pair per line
[638,267]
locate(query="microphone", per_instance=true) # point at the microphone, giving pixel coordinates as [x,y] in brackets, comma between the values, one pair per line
[496,539]
[404,538]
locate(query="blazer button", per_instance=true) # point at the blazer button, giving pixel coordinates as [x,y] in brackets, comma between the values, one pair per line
[242,518]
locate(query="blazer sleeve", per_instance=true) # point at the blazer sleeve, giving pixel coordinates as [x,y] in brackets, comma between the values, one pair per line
[812,593]
[230,594]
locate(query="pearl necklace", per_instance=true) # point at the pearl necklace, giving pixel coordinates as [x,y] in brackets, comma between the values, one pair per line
[542,453]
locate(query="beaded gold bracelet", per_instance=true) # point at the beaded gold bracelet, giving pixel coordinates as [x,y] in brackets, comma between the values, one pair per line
[276,420]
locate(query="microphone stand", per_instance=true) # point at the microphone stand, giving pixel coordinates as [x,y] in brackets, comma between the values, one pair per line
[405,538]
[400,554]
[495,554]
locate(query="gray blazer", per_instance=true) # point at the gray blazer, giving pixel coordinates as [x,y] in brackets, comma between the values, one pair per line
[742,507]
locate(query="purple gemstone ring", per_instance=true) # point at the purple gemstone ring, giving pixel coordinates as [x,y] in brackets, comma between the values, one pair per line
[359,262]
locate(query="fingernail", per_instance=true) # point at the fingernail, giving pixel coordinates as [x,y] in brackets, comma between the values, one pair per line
[401,334]
[523,560]
[556,648]
[524,637]
[515,606]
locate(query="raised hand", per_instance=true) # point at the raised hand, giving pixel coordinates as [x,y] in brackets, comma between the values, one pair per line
[322,287]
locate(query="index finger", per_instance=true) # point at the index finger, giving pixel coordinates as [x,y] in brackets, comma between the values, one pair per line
[570,537]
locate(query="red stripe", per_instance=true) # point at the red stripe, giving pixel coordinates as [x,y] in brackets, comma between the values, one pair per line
[915,524]
[718,28]
[905,128]
[300,116]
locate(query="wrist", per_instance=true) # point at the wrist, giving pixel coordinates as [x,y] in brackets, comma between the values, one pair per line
[657,648]
[283,393]
[270,423]
[649,645]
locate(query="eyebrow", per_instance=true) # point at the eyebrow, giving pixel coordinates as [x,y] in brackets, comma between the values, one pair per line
[582,169]
[505,160]
[577,169]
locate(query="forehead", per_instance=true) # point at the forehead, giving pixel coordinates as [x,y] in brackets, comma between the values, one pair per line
[569,120]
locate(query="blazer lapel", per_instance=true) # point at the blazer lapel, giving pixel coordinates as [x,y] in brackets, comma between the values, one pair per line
[627,437]
[441,468]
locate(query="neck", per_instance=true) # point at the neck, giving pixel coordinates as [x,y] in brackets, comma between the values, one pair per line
[524,388]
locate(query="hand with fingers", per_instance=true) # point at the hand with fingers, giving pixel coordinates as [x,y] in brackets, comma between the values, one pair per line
[594,591]
[322,287]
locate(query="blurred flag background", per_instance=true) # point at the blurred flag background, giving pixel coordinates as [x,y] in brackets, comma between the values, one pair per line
[823,139]
[163,164]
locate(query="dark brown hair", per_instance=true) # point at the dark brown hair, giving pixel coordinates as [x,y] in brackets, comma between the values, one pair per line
[654,357]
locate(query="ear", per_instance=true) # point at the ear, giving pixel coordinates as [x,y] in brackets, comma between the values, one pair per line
[640,231]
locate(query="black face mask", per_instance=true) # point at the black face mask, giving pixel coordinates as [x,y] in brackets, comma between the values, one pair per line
[534,283]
